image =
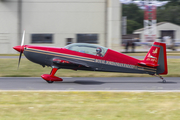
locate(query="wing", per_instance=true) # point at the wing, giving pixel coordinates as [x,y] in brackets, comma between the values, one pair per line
[148,64]
[69,61]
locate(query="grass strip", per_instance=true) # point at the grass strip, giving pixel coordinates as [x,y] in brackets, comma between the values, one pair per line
[8,68]
[89,106]
[169,53]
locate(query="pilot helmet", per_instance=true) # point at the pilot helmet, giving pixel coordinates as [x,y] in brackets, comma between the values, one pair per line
[98,49]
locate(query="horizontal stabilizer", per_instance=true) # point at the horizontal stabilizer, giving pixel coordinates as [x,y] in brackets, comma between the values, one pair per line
[148,64]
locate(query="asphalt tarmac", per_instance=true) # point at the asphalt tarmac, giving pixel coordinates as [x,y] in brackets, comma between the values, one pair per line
[92,84]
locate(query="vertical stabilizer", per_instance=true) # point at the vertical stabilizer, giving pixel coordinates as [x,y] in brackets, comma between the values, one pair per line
[156,57]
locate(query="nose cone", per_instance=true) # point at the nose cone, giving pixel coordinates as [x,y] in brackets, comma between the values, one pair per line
[19,48]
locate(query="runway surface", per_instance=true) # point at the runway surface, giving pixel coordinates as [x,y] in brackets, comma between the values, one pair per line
[115,83]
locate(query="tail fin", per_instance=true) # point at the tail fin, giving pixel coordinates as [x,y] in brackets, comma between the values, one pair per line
[156,57]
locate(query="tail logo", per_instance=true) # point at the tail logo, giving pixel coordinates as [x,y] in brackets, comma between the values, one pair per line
[155,51]
[150,56]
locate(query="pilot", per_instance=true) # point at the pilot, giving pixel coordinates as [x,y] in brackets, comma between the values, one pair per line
[98,52]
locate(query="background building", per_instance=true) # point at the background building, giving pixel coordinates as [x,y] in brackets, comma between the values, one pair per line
[163,29]
[59,22]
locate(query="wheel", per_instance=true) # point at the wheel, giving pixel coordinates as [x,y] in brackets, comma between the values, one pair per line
[49,81]
[164,81]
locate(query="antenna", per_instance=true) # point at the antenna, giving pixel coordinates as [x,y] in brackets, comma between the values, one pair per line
[150,20]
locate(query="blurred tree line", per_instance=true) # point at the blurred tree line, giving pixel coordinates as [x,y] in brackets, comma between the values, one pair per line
[135,16]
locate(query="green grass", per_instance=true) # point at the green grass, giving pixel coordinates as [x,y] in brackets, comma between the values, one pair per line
[169,53]
[29,69]
[10,54]
[89,106]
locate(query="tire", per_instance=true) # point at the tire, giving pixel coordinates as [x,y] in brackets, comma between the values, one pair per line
[164,81]
[49,81]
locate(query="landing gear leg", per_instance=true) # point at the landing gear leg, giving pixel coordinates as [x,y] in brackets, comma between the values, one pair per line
[163,80]
[50,78]
[53,71]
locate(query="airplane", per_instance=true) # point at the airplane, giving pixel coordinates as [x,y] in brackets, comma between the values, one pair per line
[91,57]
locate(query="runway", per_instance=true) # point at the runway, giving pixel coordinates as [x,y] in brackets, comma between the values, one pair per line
[92,84]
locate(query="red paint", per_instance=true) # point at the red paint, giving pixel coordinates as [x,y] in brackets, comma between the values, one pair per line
[148,64]
[150,60]
[51,77]
[150,12]
[110,55]
[115,56]
[152,57]
[53,71]
[19,48]
[60,61]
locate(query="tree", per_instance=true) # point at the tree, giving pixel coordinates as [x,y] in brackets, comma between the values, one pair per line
[173,3]
[134,17]
[170,12]
[132,25]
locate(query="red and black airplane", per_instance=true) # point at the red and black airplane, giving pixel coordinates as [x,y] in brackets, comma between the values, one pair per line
[83,56]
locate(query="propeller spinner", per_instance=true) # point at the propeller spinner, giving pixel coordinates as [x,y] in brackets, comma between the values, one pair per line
[20,48]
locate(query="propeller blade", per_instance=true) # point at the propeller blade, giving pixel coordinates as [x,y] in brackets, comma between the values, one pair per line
[22,42]
[22,49]
[19,59]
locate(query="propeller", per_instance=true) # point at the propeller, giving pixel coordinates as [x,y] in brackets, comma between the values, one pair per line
[21,48]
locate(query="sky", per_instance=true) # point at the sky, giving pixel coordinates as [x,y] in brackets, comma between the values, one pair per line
[141,3]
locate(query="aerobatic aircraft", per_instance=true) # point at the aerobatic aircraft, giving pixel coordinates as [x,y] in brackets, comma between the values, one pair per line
[91,57]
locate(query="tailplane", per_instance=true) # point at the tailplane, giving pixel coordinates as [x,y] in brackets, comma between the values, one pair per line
[156,57]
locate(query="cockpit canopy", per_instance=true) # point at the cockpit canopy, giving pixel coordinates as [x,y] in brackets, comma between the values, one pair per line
[86,48]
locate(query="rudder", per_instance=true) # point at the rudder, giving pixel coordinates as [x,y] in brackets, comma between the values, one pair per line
[162,69]
[156,57]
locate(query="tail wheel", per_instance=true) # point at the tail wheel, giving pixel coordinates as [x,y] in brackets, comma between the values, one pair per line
[49,81]
[164,81]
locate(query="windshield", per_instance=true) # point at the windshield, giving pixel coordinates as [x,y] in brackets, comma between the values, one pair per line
[88,48]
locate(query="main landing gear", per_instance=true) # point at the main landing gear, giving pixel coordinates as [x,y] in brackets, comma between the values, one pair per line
[50,78]
[163,80]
